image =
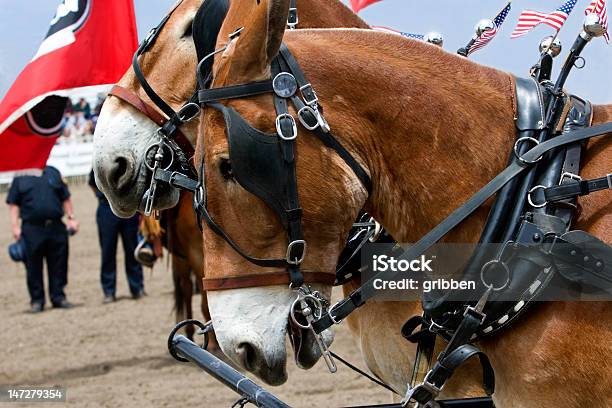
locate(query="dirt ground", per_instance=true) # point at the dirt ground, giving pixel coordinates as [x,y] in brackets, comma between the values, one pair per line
[115,355]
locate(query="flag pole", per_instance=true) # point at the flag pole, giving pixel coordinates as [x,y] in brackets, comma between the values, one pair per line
[463,51]
[591,29]
[551,43]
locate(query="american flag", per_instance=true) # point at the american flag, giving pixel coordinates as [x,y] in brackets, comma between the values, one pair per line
[529,19]
[397,32]
[488,35]
[599,7]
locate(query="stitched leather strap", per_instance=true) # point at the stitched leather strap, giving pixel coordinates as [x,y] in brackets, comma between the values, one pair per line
[264,279]
[150,112]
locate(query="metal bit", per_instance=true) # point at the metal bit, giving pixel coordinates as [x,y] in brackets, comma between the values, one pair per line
[150,193]
[308,314]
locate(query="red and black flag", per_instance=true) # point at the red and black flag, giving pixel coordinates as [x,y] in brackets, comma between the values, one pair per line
[90,42]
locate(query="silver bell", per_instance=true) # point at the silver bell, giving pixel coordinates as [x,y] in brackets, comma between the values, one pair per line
[435,38]
[592,25]
[551,45]
[483,25]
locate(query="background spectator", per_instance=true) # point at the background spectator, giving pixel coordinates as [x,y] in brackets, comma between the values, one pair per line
[82,106]
[41,201]
[109,228]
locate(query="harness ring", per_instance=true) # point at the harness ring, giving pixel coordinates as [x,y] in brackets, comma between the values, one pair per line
[487,266]
[317,313]
[530,200]
[204,329]
[164,146]
[516,152]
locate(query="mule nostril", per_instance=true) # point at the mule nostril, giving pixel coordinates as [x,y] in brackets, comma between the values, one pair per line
[247,356]
[118,175]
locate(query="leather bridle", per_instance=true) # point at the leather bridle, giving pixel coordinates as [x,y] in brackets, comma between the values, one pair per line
[171,139]
[265,165]
[274,155]
[180,172]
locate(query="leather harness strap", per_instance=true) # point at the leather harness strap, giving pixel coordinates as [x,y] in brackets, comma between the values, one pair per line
[267,279]
[143,107]
[577,188]
[359,296]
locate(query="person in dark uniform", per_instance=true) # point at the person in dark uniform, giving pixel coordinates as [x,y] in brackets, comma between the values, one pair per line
[41,199]
[109,228]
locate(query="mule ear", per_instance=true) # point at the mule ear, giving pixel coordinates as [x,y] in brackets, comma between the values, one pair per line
[260,40]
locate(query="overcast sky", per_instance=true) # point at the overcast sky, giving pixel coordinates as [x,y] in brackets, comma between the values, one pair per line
[24,23]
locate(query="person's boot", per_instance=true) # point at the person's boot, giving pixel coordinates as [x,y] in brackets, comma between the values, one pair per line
[139,294]
[63,304]
[36,308]
[108,299]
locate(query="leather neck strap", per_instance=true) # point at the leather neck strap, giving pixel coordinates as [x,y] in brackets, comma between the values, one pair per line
[267,279]
[150,112]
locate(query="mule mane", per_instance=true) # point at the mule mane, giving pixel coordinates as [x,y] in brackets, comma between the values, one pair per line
[206,27]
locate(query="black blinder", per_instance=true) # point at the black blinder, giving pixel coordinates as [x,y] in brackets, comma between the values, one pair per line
[257,161]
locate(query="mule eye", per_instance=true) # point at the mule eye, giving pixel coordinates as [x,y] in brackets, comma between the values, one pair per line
[188,31]
[226,169]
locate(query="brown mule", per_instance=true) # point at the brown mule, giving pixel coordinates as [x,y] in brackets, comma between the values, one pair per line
[168,66]
[431,128]
[184,242]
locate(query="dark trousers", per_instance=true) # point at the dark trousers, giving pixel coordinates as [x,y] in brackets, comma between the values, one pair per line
[109,228]
[49,242]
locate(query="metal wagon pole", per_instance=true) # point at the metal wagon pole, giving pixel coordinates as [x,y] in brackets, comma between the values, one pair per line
[226,374]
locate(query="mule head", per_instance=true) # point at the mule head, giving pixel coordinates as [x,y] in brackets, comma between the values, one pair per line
[251,323]
[123,133]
